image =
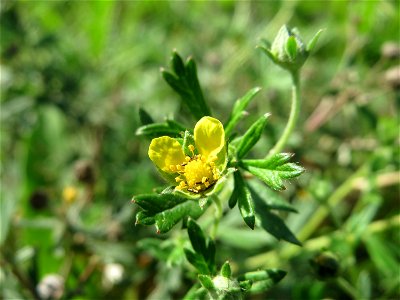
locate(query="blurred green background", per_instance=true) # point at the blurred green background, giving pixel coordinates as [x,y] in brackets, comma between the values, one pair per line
[73,77]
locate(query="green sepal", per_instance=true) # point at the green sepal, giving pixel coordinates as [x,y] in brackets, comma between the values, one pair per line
[155,203]
[245,201]
[271,223]
[226,270]
[220,183]
[273,170]
[263,280]
[168,128]
[251,137]
[311,44]
[144,117]
[188,139]
[206,282]
[238,110]
[291,47]
[268,53]
[288,50]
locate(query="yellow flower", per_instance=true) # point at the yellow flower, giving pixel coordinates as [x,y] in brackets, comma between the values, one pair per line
[198,172]
[69,194]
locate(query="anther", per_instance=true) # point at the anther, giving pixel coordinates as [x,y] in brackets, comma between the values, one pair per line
[172,168]
[191,148]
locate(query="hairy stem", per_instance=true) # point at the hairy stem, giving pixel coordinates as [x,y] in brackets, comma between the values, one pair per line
[294,114]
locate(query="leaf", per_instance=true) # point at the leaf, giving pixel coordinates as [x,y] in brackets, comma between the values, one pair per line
[160,129]
[206,282]
[238,110]
[245,201]
[197,261]
[177,64]
[197,238]
[155,203]
[196,292]
[272,223]
[262,280]
[143,218]
[204,252]
[233,199]
[271,198]
[381,255]
[185,82]
[210,255]
[166,219]
[273,170]
[144,117]
[251,137]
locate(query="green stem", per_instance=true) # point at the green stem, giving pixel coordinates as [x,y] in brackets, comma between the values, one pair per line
[218,216]
[347,287]
[294,114]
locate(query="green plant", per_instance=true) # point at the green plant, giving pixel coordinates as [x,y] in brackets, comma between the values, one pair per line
[199,164]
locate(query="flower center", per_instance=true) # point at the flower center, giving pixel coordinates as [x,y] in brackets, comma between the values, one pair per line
[196,174]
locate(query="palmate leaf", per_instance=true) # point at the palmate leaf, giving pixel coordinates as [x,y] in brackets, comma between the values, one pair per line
[165,210]
[273,170]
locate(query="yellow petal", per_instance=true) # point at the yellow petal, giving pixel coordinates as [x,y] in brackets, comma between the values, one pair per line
[166,152]
[209,136]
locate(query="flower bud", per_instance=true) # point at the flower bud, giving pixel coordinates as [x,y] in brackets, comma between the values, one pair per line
[288,49]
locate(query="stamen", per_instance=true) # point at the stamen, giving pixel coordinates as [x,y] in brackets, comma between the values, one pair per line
[191,148]
[197,173]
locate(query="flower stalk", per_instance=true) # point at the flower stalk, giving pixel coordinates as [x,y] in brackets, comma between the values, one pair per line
[294,115]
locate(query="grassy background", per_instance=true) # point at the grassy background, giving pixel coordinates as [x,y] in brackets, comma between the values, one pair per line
[73,76]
